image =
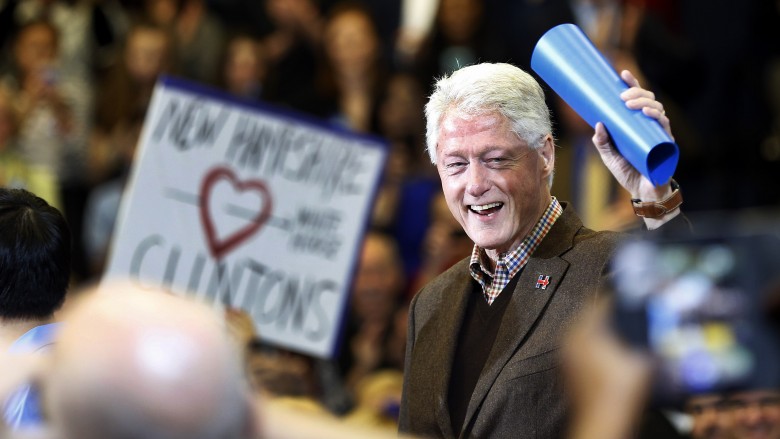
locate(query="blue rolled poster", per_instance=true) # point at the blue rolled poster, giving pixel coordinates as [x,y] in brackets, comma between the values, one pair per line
[572,66]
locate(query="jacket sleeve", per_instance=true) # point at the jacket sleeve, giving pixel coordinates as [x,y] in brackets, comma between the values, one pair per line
[403,417]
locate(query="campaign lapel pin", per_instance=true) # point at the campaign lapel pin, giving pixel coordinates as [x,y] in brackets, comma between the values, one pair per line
[542,282]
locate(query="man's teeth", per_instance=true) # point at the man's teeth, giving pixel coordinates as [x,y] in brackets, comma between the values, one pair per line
[479,208]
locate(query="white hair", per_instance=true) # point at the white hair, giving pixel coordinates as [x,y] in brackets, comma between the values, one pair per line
[484,88]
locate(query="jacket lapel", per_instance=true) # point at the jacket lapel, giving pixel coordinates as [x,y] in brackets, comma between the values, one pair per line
[439,340]
[527,304]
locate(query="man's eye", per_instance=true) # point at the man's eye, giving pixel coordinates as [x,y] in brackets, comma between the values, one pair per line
[453,165]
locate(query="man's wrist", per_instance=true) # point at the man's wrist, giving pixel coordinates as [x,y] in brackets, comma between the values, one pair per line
[658,208]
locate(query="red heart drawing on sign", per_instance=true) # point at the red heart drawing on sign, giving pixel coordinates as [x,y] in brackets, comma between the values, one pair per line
[219,247]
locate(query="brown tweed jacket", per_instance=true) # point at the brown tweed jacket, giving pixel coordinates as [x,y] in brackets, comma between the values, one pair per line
[519,393]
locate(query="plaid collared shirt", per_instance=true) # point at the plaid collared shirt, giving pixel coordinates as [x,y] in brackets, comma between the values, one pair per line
[509,264]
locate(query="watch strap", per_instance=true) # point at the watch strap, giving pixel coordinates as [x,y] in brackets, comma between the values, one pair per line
[657,209]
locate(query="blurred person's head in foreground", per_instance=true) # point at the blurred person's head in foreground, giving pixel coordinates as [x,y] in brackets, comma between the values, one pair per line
[34,277]
[143,364]
[34,257]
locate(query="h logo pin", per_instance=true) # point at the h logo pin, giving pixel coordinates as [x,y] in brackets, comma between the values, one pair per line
[542,282]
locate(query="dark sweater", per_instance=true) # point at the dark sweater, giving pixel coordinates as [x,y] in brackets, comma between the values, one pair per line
[475,340]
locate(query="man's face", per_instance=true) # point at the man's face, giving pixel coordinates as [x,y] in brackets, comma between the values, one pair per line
[756,414]
[494,183]
[711,419]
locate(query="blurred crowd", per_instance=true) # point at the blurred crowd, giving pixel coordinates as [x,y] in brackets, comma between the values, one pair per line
[76,77]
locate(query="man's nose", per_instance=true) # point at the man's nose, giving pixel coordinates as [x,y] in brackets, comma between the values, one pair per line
[478,182]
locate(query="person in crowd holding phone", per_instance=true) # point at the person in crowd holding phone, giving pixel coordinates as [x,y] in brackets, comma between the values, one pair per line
[482,353]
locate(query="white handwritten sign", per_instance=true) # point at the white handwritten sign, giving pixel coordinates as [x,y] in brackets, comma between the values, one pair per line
[242,205]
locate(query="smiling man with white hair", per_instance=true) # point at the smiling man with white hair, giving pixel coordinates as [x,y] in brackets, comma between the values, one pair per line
[482,354]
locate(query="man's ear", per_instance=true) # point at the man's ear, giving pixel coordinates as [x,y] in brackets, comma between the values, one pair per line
[547,152]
